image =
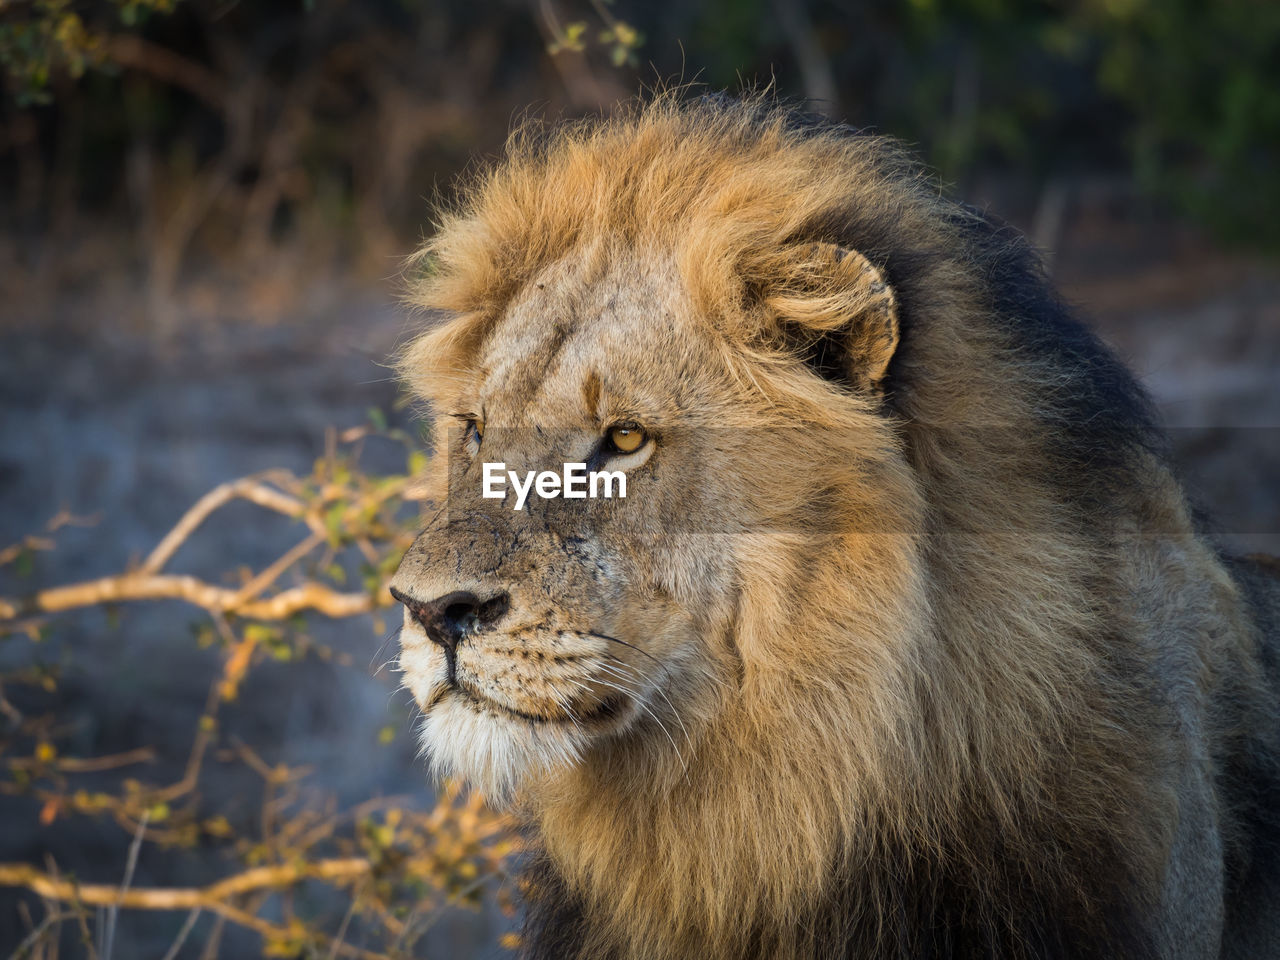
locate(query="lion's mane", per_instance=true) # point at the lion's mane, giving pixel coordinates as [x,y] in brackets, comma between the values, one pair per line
[965,749]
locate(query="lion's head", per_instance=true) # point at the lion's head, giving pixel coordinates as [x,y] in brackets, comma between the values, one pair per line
[845,609]
[534,636]
[539,634]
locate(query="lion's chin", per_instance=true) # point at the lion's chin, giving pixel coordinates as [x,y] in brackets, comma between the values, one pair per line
[494,752]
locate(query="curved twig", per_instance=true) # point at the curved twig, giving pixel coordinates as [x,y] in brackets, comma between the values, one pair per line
[247,488]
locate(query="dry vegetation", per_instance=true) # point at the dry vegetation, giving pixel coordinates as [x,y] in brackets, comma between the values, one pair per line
[391,869]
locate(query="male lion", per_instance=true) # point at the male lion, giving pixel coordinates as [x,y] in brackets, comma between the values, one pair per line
[902,642]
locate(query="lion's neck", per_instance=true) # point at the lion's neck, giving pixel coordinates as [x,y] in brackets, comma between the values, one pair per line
[842,788]
[801,768]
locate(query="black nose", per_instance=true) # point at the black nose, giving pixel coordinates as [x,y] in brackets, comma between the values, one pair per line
[450,618]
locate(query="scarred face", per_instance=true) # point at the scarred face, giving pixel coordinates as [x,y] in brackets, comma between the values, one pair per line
[533,636]
[539,627]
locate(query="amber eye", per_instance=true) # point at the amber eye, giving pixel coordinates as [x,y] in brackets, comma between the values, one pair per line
[627,437]
[478,427]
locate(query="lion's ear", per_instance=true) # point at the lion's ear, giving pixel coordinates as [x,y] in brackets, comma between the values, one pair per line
[840,307]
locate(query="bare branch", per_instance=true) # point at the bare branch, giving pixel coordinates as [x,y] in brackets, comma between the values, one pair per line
[50,918]
[271,574]
[248,488]
[11,553]
[131,864]
[212,897]
[192,917]
[137,586]
[91,764]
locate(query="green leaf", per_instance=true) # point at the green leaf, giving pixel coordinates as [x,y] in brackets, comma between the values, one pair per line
[334,521]
[261,633]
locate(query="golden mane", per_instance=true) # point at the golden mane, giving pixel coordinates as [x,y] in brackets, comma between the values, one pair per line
[722,192]
[957,698]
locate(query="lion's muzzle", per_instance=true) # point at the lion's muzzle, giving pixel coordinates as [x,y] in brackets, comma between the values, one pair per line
[448,619]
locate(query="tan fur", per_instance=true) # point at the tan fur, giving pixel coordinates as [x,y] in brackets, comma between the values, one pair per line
[861,632]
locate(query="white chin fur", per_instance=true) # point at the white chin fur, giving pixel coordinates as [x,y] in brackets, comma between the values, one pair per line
[492,752]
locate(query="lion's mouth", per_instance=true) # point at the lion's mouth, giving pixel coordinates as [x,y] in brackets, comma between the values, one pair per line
[598,712]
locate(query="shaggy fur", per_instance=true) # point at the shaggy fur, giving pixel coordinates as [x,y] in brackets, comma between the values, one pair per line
[902,643]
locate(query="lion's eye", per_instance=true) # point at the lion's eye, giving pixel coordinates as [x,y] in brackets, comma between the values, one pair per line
[627,437]
[472,433]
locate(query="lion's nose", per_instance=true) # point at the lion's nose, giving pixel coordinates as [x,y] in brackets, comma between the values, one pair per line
[448,619]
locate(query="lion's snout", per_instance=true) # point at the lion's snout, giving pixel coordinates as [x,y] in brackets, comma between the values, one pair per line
[449,618]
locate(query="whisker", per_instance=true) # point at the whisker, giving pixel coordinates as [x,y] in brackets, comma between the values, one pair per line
[635,684]
[643,653]
[393,633]
[567,707]
[639,701]
[656,687]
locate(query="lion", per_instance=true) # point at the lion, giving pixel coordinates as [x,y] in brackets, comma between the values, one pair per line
[903,641]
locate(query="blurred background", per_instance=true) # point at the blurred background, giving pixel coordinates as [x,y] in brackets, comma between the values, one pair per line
[204,206]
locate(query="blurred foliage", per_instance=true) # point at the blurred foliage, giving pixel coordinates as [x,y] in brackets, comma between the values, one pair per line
[1189,91]
[310,876]
[1185,95]
[227,128]
[41,38]
[620,38]
[1203,84]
